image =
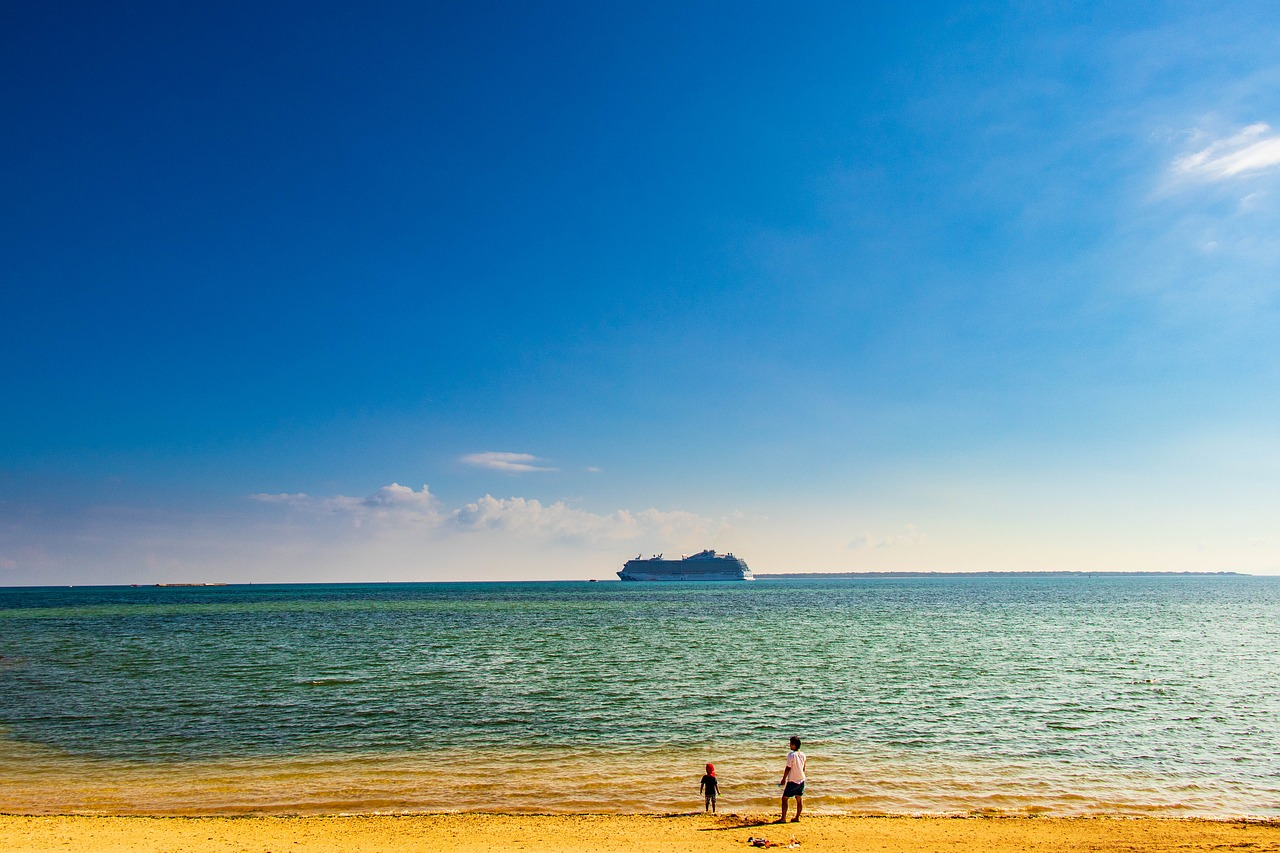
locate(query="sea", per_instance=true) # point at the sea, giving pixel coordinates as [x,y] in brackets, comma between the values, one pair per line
[1005,695]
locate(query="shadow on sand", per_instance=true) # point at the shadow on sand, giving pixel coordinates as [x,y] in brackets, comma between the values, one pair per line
[730,822]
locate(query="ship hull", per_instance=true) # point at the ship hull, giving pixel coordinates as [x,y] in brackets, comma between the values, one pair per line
[684,576]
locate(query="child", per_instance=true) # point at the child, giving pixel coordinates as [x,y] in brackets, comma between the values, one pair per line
[709,786]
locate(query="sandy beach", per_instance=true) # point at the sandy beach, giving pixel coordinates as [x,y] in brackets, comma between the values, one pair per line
[696,833]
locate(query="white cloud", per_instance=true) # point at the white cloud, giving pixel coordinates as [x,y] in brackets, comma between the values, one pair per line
[512,463]
[908,535]
[1254,149]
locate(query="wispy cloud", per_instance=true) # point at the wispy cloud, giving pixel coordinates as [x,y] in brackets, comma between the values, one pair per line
[1254,149]
[511,463]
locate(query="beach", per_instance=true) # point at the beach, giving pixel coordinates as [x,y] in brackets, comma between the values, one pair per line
[696,833]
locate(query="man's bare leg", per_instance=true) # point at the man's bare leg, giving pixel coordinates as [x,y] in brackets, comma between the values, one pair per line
[799,809]
[784,810]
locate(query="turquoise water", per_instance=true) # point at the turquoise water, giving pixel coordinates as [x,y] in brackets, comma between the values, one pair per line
[1060,695]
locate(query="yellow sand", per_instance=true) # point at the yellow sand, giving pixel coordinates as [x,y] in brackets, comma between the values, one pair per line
[465,833]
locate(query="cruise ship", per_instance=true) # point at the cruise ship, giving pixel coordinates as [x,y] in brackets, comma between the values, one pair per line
[703,566]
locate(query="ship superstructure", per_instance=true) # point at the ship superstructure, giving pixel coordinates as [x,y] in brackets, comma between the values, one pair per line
[703,566]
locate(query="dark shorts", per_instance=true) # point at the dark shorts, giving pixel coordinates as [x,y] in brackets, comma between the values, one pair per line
[793,789]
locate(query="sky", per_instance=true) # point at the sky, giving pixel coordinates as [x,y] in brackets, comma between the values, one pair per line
[307,292]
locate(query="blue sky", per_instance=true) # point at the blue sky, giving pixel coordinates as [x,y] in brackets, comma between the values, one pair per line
[309,292]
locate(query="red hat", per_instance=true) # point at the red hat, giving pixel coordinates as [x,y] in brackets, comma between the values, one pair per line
[711,770]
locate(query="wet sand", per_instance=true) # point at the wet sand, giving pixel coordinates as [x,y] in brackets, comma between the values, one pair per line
[472,833]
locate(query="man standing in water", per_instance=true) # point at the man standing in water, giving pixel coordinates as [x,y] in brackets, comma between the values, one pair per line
[792,783]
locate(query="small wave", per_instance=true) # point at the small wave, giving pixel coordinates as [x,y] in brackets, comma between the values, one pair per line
[328,682]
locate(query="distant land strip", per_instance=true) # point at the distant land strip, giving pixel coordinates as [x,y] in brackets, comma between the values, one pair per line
[828,575]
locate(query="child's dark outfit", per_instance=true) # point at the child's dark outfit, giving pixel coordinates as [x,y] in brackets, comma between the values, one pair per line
[710,786]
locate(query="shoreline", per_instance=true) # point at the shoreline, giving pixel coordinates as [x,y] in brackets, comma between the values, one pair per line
[697,833]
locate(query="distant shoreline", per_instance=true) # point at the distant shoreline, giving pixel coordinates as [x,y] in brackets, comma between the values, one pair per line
[1072,574]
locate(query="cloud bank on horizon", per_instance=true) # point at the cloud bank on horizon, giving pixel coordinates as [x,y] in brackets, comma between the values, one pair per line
[395,533]
[397,506]
[939,286]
